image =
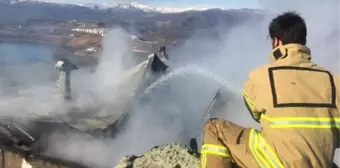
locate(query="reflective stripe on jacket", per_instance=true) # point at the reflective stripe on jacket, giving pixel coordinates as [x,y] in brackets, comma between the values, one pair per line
[211,149]
[262,152]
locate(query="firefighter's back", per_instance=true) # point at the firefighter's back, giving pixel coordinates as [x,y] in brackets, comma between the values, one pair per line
[301,102]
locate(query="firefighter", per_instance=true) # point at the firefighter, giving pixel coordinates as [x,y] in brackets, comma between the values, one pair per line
[296,102]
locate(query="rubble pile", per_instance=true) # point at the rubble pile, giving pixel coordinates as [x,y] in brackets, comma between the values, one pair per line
[167,156]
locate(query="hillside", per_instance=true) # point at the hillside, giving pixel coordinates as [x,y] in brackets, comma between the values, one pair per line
[129,17]
[52,22]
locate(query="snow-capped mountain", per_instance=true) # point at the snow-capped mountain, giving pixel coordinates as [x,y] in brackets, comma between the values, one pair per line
[106,4]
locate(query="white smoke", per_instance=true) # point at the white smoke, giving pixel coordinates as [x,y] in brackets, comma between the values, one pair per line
[28,88]
[173,106]
[25,85]
[100,86]
[172,111]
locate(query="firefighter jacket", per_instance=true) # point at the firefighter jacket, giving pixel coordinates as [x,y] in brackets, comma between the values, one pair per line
[297,104]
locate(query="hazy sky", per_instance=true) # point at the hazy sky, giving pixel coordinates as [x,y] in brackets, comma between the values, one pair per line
[204,3]
[175,3]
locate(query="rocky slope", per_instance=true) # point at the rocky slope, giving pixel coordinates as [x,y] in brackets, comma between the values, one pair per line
[167,156]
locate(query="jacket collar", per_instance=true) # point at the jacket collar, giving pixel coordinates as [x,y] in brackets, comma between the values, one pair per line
[290,51]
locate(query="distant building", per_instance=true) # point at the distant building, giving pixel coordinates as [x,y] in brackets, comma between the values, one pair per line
[91,49]
[134,37]
[91,31]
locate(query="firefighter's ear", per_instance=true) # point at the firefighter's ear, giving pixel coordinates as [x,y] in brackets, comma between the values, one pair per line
[276,42]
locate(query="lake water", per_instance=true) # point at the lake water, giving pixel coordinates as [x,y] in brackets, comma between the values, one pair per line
[18,53]
[24,65]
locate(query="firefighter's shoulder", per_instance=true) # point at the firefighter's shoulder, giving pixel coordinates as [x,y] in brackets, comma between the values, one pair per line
[259,73]
[336,78]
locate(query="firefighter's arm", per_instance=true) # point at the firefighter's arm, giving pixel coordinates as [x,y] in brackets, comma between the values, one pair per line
[250,93]
[337,87]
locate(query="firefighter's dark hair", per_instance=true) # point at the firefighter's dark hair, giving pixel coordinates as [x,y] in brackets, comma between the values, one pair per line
[289,27]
